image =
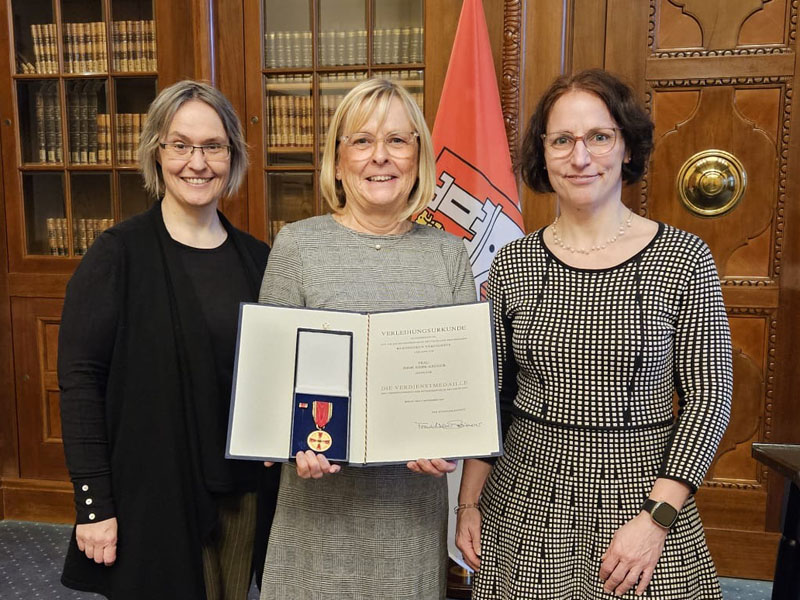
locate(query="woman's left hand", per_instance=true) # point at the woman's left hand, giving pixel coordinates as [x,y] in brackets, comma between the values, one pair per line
[632,555]
[438,467]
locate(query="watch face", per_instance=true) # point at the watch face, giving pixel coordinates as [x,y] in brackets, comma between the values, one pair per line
[664,514]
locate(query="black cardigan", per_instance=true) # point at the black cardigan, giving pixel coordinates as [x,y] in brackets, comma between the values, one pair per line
[139,372]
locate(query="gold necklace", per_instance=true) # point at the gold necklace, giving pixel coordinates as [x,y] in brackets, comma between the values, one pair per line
[624,225]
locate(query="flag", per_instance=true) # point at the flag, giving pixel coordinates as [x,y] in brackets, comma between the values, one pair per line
[476,192]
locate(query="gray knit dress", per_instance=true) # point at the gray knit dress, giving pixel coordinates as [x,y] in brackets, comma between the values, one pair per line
[374,533]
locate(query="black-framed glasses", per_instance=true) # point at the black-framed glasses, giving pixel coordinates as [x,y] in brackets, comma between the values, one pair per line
[596,141]
[398,143]
[185,151]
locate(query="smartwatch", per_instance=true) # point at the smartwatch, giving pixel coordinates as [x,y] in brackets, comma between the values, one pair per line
[662,513]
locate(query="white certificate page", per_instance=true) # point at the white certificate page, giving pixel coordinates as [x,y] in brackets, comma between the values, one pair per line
[431,385]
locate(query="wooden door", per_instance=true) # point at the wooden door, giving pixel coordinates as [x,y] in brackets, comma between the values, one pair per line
[717,76]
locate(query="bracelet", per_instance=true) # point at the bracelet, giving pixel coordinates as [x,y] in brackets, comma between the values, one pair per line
[463,506]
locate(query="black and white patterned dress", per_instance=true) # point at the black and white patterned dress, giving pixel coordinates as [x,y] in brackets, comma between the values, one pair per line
[590,360]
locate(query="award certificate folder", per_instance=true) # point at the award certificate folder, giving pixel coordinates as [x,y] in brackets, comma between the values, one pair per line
[364,389]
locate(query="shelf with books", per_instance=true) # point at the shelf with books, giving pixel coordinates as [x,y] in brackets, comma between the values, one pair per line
[86,72]
[313,53]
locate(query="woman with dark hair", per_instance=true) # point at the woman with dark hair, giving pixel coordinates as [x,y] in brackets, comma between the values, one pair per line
[601,317]
[145,363]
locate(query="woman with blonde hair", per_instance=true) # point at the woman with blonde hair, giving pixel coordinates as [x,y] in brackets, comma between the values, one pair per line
[376,532]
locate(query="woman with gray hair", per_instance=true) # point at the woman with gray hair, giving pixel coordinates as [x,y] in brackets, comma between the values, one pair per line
[376,532]
[146,352]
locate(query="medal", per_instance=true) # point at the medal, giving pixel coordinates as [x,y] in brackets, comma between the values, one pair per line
[320,440]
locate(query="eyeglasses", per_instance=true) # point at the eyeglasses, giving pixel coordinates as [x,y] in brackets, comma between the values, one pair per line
[597,141]
[212,152]
[399,144]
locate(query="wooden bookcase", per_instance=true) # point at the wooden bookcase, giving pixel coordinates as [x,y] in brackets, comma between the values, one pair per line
[77,76]
[310,54]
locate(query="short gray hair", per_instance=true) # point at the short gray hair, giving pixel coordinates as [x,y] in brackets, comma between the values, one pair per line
[159,118]
[368,98]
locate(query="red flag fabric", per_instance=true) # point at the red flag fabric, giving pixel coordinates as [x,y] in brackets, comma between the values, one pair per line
[476,193]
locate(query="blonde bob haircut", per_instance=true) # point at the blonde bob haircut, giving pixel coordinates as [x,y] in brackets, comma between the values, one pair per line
[159,118]
[369,98]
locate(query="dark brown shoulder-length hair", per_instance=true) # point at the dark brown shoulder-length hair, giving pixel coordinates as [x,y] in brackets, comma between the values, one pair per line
[629,114]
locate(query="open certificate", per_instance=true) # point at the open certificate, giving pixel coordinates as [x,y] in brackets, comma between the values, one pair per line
[364,389]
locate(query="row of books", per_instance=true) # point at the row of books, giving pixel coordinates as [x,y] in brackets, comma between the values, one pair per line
[85,47]
[45,49]
[87,146]
[292,49]
[133,45]
[128,131]
[47,130]
[84,233]
[291,121]
[291,118]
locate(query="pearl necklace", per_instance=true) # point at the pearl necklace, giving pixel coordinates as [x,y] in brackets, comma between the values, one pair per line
[624,225]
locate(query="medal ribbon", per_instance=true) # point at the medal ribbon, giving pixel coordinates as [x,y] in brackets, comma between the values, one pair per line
[322,411]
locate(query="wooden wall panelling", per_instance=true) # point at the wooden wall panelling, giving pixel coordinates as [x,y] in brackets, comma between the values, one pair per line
[177,40]
[786,411]
[35,326]
[709,90]
[9,456]
[544,54]
[588,39]
[229,70]
[253,126]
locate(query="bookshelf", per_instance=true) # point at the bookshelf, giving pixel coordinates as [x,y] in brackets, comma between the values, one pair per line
[84,73]
[312,52]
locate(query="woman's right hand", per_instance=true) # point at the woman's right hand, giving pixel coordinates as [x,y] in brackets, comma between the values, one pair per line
[98,541]
[468,536]
[314,466]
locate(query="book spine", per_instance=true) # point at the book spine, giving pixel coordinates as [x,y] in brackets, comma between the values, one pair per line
[37,48]
[61,236]
[49,125]
[101,32]
[153,47]
[52,239]
[53,38]
[83,120]
[68,66]
[41,140]
[136,134]
[73,125]
[128,133]
[91,122]
[123,46]
[115,45]
[138,45]
[102,143]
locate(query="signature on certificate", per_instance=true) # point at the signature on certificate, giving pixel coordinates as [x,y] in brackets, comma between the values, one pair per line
[452,424]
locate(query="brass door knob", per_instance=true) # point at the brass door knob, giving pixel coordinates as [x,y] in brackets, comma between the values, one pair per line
[711,182]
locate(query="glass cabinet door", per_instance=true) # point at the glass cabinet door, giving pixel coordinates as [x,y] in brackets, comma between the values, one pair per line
[310,61]
[84,79]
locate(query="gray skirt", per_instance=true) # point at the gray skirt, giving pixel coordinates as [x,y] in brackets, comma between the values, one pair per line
[363,534]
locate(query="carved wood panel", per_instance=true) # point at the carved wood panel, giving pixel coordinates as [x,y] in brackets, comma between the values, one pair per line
[35,337]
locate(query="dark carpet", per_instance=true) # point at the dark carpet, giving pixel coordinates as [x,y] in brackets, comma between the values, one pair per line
[31,556]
